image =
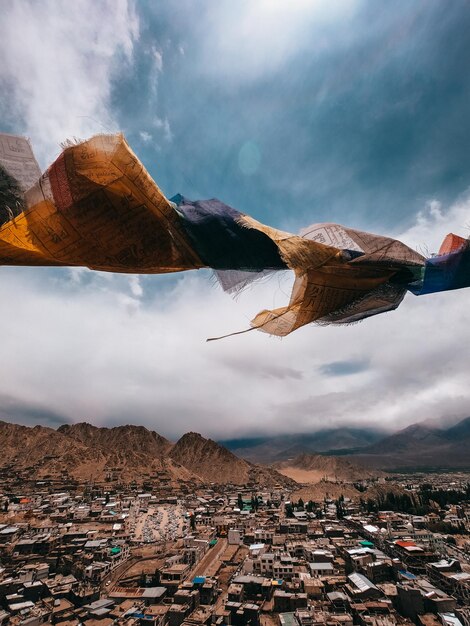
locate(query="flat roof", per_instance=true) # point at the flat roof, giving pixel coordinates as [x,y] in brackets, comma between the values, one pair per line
[361,582]
[177,567]
[321,566]
[450,619]
[288,619]
[370,528]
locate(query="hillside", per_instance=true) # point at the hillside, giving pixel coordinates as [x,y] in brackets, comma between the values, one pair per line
[124,453]
[314,468]
[86,452]
[282,447]
[214,463]
[29,446]
[420,446]
[134,453]
[121,444]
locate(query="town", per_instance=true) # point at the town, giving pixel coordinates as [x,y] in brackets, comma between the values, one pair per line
[105,553]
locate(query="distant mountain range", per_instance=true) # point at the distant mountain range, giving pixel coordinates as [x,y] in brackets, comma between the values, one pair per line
[282,447]
[313,468]
[419,446]
[134,453]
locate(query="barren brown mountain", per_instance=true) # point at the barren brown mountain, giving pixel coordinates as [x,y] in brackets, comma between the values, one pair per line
[86,452]
[214,463]
[124,453]
[313,468]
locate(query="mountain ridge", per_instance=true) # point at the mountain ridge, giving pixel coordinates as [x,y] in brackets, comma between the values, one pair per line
[420,446]
[314,468]
[281,447]
[423,445]
[126,453]
[130,452]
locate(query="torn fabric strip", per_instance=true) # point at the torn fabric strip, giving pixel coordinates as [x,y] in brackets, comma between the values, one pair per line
[96,206]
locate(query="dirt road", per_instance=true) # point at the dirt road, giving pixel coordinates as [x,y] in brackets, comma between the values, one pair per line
[210,562]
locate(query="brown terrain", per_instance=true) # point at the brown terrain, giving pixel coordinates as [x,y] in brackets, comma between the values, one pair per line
[328,489]
[314,468]
[134,453]
[214,463]
[322,490]
[86,452]
[125,453]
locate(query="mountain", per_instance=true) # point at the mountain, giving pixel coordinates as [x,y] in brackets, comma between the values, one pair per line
[460,431]
[119,443]
[314,468]
[86,452]
[408,439]
[215,463]
[282,447]
[124,453]
[420,446]
[23,445]
[128,452]
[134,453]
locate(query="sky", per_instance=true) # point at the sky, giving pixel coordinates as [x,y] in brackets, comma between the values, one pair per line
[347,111]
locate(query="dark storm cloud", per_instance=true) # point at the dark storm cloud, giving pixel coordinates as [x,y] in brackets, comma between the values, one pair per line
[21,412]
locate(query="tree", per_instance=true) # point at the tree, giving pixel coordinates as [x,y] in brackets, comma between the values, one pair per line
[192,521]
[240,502]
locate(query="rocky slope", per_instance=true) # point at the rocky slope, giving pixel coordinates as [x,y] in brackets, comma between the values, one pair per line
[313,468]
[124,453]
[131,445]
[214,463]
[23,446]
[420,446]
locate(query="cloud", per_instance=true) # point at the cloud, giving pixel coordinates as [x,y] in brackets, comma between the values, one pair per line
[433,223]
[136,287]
[359,113]
[58,63]
[241,364]
[343,368]
[145,136]
[22,412]
[157,59]
[163,125]
[251,40]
